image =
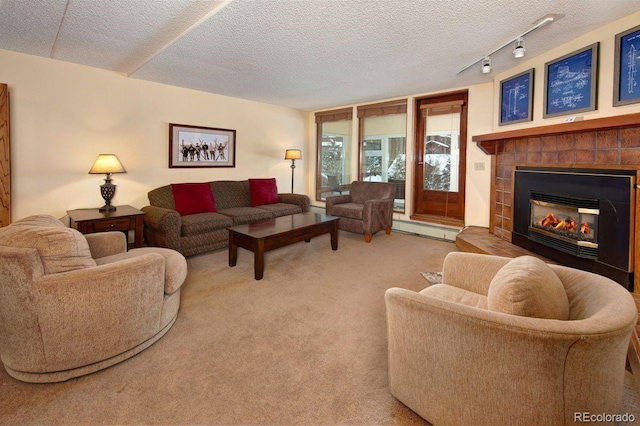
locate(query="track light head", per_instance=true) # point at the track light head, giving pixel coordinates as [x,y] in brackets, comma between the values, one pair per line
[486,65]
[518,50]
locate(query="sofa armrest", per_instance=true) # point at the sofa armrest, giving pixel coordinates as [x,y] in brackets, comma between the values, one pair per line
[471,271]
[299,200]
[336,199]
[163,227]
[103,244]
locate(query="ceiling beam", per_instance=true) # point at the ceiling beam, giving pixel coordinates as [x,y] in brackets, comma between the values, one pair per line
[217,8]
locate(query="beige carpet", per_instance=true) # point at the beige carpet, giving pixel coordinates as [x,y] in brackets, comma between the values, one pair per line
[304,346]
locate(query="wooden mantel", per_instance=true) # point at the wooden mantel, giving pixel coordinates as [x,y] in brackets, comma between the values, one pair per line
[489,143]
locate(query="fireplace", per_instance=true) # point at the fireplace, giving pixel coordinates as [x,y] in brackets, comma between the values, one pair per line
[579,218]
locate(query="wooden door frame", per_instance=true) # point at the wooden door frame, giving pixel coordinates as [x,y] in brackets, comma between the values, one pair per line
[5,157]
[442,97]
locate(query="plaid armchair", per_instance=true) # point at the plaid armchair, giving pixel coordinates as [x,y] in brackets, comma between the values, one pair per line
[367,209]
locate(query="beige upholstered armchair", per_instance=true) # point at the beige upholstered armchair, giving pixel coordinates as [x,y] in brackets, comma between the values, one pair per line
[504,341]
[367,209]
[72,304]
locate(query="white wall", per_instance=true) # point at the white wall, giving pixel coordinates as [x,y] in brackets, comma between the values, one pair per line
[63,115]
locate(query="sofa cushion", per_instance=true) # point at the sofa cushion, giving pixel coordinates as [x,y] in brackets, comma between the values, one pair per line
[192,198]
[162,197]
[281,209]
[230,194]
[526,286]
[202,223]
[61,249]
[243,215]
[263,191]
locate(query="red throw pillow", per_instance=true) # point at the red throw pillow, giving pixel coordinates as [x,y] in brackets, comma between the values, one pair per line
[192,198]
[263,191]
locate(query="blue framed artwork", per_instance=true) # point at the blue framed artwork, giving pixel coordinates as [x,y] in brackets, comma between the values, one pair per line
[571,82]
[516,98]
[626,89]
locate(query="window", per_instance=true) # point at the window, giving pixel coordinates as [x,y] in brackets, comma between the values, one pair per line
[383,134]
[333,136]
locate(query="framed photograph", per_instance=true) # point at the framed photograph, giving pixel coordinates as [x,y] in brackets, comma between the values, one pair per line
[571,82]
[516,98]
[626,89]
[193,146]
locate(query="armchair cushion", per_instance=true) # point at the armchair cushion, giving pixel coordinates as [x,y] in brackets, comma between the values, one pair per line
[350,210]
[457,295]
[526,286]
[61,249]
[192,198]
[263,191]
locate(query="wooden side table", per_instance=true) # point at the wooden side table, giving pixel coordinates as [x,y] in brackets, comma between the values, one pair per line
[124,218]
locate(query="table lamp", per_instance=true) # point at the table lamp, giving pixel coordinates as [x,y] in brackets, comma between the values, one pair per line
[107,163]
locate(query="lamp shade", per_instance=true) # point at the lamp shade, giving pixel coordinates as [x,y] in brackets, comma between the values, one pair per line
[293,154]
[107,163]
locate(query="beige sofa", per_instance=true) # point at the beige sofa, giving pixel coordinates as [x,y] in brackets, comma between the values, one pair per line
[72,304]
[200,232]
[464,352]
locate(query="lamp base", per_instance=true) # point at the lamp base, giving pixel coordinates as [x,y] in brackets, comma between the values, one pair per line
[107,208]
[107,190]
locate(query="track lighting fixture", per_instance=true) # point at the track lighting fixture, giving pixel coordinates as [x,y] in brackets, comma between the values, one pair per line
[518,50]
[486,65]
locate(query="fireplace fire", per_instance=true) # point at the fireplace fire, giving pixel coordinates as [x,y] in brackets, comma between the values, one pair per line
[566,227]
[573,222]
[578,218]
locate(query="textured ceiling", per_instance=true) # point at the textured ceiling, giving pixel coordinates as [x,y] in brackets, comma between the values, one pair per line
[309,54]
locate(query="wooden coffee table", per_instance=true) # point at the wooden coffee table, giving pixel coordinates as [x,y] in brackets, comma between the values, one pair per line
[261,237]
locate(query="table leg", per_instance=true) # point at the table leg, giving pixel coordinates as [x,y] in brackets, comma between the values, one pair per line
[233,253]
[258,260]
[334,236]
[139,231]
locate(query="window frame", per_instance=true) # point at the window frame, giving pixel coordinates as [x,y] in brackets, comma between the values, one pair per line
[398,106]
[321,117]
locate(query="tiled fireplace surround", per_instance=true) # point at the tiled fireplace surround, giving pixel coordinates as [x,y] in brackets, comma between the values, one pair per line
[611,142]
